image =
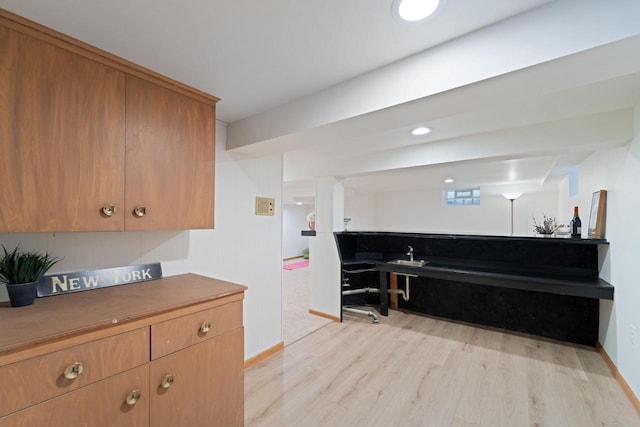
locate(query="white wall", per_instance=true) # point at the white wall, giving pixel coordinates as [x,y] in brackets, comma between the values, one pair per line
[360,207]
[243,248]
[424,211]
[294,220]
[618,172]
[324,271]
[246,248]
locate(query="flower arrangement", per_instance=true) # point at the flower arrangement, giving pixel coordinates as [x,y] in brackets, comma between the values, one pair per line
[311,216]
[311,220]
[547,226]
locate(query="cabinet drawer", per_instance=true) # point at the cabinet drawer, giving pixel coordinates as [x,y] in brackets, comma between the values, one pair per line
[176,334]
[40,378]
[103,403]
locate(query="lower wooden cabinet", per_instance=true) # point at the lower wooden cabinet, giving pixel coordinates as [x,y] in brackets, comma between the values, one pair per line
[206,376]
[122,400]
[109,376]
[37,379]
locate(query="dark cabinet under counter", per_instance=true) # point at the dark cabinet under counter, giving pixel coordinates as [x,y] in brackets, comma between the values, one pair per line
[542,286]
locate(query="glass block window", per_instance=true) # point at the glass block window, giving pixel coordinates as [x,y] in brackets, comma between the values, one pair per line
[470,196]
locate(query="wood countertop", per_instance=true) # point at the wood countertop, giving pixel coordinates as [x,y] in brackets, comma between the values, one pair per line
[59,317]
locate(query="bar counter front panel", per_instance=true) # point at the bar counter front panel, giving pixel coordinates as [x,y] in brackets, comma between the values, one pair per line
[541,286]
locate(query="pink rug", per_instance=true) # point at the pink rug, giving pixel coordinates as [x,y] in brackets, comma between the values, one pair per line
[296,265]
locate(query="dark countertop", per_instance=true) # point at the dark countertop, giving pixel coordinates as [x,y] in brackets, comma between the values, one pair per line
[590,288]
[540,285]
[564,266]
[482,237]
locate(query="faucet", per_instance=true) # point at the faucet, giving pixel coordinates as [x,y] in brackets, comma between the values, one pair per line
[410,253]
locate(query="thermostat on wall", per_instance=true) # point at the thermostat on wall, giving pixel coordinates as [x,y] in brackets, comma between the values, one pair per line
[265,206]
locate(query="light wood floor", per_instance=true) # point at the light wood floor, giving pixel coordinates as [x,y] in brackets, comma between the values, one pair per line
[418,371]
[296,320]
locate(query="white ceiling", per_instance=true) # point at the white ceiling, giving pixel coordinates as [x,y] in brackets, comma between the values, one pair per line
[257,54]
[547,102]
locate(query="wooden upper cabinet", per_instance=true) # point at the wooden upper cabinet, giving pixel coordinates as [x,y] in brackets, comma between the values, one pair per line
[62,127]
[170,149]
[82,131]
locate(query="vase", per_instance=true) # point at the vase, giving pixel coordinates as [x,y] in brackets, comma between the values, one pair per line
[21,294]
[546,235]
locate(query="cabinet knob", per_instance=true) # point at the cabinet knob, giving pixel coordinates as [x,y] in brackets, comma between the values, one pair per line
[72,371]
[140,211]
[133,397]
[109,210]
[204,328]
[167,381]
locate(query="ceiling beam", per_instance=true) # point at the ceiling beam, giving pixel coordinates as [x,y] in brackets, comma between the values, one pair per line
[552,31]
[581,134]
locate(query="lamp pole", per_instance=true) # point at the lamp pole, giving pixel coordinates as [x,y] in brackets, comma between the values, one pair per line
[511,200]
[511,197]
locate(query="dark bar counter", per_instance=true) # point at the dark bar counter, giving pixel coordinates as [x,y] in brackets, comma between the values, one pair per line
[540,285]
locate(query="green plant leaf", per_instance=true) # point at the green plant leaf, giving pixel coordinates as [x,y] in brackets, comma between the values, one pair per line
[18,266]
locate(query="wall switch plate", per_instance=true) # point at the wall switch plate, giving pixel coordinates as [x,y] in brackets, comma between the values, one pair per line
[265,206]
[633,335]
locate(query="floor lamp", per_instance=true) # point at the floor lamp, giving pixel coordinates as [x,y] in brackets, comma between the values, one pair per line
[511,197]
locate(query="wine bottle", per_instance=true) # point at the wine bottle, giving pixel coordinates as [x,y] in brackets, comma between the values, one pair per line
[576,224]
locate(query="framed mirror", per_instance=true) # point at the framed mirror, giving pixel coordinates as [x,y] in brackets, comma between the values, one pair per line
[597,216]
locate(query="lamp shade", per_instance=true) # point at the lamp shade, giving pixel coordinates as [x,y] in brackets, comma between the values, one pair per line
[511,196]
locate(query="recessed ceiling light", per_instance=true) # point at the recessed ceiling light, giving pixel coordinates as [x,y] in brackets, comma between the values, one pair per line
[414,10]
[422,130]
[448,180]
[299,203]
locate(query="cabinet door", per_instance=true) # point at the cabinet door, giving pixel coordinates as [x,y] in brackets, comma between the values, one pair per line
[61,138]
[102,404]
[207,387]
[170,159]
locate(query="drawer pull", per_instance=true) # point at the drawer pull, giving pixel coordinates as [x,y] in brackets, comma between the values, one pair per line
[72,371]
[204,328]
[167,381]
[140,211]
[133,397]
[109,210]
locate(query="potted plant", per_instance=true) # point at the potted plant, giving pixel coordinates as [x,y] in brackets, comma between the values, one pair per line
[547,227]
[21,271]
